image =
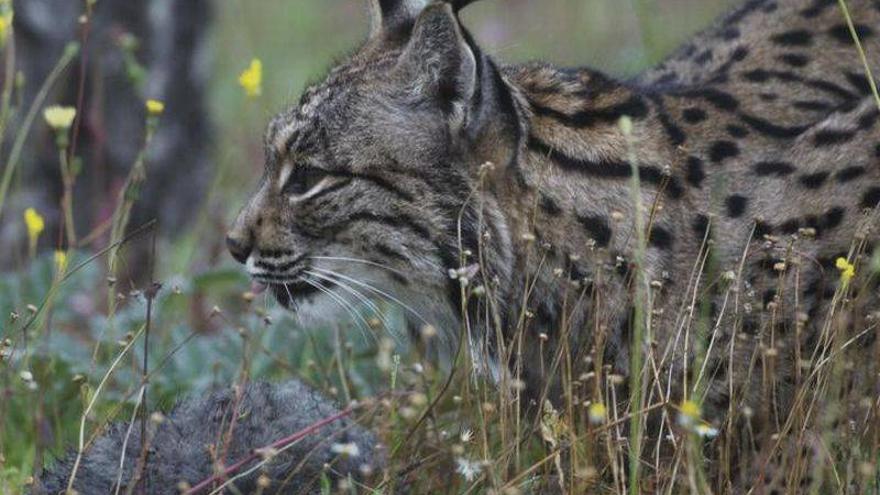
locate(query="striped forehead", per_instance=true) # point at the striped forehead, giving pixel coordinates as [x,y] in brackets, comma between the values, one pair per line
[293,125]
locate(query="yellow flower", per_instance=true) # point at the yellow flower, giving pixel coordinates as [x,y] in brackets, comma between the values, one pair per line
[689,413]
[60,261]
[155,107]
[35,225]
[6,15]
[58,117]
[252,78]
[5,25]
[597,413]
[847,269]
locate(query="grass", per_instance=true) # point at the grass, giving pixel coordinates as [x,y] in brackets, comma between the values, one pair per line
[75,354]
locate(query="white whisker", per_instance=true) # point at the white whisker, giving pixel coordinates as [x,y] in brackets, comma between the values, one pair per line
[376,290]
[360,297]
[358,319]
[366,262]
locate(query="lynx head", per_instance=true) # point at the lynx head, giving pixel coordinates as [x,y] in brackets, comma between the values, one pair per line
[372,182]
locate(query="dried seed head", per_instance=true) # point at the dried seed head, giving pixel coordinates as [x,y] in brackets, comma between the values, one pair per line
[428,332]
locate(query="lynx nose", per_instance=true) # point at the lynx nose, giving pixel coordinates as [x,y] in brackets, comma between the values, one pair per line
[239,248]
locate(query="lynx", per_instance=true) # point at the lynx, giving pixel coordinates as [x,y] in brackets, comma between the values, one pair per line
[726,199]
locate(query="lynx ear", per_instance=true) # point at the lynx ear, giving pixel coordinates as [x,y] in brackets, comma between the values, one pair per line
[438,60]
[393,14]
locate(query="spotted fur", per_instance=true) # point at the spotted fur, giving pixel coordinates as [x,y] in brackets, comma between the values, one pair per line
[422,156]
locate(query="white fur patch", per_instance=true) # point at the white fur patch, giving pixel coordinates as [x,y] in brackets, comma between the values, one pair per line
[286,170]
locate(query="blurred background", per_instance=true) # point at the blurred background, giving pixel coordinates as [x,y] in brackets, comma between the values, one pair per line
[63,327]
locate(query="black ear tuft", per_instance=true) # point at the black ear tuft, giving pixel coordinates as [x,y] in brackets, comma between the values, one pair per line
[460,4]
[390,15]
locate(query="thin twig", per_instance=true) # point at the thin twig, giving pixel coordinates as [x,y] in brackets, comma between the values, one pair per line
[256,453]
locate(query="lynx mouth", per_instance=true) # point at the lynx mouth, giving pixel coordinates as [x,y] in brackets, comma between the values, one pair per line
[287,293]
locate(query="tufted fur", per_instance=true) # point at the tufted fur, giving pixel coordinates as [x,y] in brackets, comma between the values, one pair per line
[179,449]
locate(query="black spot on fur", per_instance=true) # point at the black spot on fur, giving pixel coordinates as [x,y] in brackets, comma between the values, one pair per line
[667,78]
[549,205]
[796,37]
[695,172]
[730,33]
[739,54]
[831,137]
[773,130]
[817,8]
[762,229]
[774,168]
[654,175]
[812,105]
[814,181]
[719,99]
[661,238]
[812,221]
[833,217]
[704,57]
[700,226]
[842,34]
[790,226]
[736,205]
[694,115]
[750,326]
[597,228]
[850,173]
[757,75]
[722,150]
[877,151]
[737,131]
[871,198]
[859,81]
[868,120]
[676,136]
[794,59]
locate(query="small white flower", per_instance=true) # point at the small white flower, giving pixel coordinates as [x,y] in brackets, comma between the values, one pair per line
[464,274]
[467,468]
[26,376]
[706,431]
[346,449]
[466,436]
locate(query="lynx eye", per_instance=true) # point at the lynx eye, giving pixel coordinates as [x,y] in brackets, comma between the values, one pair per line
[303,179]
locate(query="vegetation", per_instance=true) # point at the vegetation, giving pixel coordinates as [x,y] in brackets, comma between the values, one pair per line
[80,348]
